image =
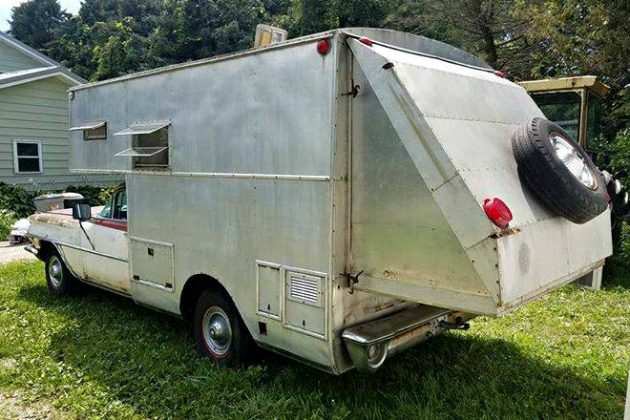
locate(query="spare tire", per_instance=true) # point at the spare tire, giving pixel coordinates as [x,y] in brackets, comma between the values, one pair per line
[559,171]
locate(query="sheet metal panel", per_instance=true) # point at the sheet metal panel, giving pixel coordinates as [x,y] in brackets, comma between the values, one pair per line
[143,128]
[470,116]
[399,234]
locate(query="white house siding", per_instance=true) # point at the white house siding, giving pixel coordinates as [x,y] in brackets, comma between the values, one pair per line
[38,111]
[12,59]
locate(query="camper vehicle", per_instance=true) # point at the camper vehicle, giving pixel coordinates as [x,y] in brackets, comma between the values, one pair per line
[336,198]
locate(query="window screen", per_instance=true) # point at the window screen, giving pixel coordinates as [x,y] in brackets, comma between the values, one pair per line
[27,157]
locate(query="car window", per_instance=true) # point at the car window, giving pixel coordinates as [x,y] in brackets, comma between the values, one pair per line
[120,205]
[563,108]
[106,213]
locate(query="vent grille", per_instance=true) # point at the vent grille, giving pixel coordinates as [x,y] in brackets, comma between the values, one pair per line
[305,290]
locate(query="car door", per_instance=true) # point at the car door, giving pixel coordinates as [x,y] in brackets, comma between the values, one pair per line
[108,264]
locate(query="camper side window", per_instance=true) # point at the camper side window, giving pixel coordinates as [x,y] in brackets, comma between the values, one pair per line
[98,133]
[154,147]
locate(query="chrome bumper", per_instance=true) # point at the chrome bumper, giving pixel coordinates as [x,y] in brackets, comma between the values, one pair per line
[370,343]
[32,250]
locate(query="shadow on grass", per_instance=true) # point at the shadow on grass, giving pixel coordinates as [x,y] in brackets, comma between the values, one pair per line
[147,362]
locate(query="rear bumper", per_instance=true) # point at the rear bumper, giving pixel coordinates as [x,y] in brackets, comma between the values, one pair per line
[371,343]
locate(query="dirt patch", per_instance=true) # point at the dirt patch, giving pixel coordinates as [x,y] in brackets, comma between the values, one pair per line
[13,407]
[10,253]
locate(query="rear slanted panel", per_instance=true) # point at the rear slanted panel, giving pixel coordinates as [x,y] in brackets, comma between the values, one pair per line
[456,124]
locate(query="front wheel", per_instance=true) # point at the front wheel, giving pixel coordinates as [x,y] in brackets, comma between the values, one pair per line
[58,278]
[220,333]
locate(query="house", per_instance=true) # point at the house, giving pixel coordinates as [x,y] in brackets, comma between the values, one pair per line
[34,137]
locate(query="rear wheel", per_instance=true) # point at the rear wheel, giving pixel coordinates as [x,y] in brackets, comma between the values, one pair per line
[58,278]
[220,333]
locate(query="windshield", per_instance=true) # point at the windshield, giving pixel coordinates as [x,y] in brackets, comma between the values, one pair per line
[563,108]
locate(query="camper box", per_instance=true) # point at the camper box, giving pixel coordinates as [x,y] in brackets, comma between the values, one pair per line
[335,187]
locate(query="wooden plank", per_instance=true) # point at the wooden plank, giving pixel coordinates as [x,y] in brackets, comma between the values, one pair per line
[12,59]
[9,97]
[35,125]
[33,117]
[25,133]
[39,108]
[30,90]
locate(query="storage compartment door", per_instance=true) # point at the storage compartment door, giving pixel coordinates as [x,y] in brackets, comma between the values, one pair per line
[152,262]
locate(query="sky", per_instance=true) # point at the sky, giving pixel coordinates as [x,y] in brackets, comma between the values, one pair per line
[71,6]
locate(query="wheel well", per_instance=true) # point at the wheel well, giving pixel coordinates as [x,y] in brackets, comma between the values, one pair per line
[193,289]
[45,249]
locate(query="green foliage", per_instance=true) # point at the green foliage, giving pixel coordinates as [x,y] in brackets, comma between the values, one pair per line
[17,200]
[94,196]
[619,152]
[35,22]
[99,355]
[7,218]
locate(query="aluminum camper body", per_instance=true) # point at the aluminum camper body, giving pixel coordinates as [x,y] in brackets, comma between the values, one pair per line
[336,197]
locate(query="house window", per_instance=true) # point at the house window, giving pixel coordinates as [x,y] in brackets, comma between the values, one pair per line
[98,133]
[27,156]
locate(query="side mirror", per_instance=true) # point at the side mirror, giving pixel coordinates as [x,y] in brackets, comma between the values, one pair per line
[82,212]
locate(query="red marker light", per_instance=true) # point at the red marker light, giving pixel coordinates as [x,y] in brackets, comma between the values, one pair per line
[323,46]
[499,73]
[366,41]
[498,212]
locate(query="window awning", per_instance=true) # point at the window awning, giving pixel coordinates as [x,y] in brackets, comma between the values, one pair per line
[89,126]
[143,128]
[141,151]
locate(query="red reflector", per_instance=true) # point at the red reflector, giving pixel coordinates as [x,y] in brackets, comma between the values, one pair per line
[498,212]
[499,73]
[323,46]
[366,41]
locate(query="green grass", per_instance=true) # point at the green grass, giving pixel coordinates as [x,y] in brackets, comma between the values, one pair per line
[99,355]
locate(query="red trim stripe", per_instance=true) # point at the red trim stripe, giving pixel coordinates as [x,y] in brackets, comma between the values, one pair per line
[114,224]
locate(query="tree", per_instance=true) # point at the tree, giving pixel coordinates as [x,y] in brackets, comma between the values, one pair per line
[194,29]
[488,28]
[35,22]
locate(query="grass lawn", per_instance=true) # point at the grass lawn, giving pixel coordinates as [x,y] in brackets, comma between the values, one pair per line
[100,355]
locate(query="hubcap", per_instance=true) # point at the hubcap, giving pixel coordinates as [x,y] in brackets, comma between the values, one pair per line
[217,332]
[55,272]
[574,162]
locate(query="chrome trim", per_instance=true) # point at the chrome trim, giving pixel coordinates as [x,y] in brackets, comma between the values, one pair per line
[154,285]
[150,241]
[79,248]
[391,326]
[279,177]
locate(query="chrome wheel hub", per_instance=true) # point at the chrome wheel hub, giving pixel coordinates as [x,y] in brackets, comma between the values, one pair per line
[217,332]
[55,272]
[573,161]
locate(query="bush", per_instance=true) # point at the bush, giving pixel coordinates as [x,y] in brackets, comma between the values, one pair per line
[17,200]
[94,196]
[7,218]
